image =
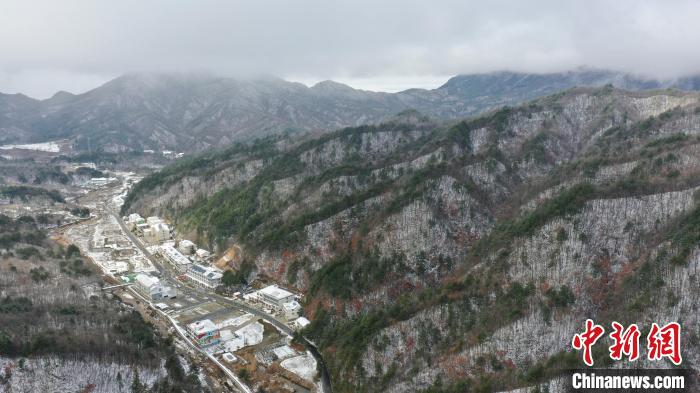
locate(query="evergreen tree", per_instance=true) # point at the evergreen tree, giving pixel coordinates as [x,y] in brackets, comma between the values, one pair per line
[136,385]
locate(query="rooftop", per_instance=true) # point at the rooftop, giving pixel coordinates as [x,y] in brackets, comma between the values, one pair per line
[174,255]
[146,280]
[291,306]
[208,272]
[302,322]
[203,326]
[275,292]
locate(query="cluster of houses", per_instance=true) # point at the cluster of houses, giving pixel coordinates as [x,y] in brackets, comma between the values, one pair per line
[230,335]
[194,265]
[186,257]
[152,229]
[191,263]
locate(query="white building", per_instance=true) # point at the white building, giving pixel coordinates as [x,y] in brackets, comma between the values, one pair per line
[300,323]
[152,288]
[135,218]
[157,233]
[202,254]
[149,286]
[186,247]
[118,267]
[250,334]
[229,357]
[203,275]
[173,256]
[275,297]
[97,182]
[142,227]
[291,310]
[153,220]
[204,332]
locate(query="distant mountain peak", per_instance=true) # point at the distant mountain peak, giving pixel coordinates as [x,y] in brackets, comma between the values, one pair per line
[61,96]
[329,85]
[197,110]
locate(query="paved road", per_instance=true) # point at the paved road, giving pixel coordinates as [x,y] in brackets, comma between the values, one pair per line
[136,242]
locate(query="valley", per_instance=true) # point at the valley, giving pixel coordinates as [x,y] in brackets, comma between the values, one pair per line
[408,255]
[349,197]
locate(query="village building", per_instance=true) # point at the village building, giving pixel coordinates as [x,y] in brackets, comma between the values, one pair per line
[291,310]
[204,332]
[179,261]
[275,297]
[186,247]
[204,276]
[152,288]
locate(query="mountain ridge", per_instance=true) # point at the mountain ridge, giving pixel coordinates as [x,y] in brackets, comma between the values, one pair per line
[196,111]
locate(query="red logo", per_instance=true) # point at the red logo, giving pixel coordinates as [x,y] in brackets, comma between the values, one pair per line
[586,340]
[665,342]
[626,342]
[662,342]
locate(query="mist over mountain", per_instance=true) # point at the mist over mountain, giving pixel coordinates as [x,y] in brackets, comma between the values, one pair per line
[186,112]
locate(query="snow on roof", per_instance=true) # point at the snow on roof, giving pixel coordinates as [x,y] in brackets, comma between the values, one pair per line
[146,280]
[202,326]
[302,322]
[237,321]
[229,357]
[291,306]
[275,292]
[175,255]
[206,271]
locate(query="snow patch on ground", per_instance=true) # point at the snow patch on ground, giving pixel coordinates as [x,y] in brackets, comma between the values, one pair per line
[303,366]
[51,147]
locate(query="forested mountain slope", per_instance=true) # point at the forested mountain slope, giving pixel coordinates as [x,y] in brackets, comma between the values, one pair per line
[464,256]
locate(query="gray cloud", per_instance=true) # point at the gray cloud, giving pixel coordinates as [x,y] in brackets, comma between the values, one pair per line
[73,45]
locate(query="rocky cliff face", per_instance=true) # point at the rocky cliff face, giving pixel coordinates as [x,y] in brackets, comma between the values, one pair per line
[465,256]
[190,112]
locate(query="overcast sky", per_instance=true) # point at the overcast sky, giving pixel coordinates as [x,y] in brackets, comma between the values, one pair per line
[52,45]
